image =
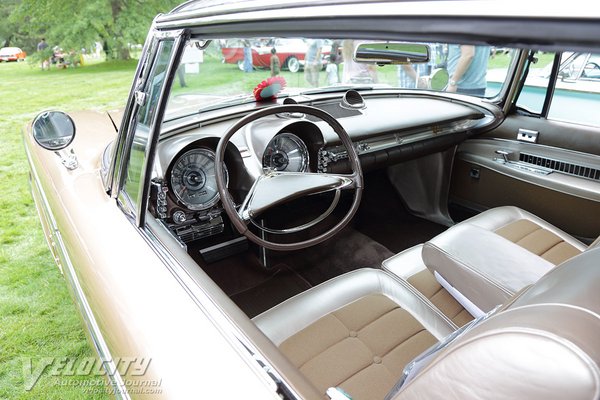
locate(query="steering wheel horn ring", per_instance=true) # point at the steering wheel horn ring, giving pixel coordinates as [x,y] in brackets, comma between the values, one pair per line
[276,187]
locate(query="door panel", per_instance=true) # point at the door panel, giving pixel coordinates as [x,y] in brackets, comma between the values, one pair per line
[561,186]
[532,160]
[480,183]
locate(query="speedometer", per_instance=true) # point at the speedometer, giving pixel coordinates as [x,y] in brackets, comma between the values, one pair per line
[193,179]
[286,152]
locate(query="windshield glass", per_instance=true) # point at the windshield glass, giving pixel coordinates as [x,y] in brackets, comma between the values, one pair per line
[235,71]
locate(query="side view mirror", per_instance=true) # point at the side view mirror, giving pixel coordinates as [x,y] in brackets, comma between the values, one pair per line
[438,80]
[53,130]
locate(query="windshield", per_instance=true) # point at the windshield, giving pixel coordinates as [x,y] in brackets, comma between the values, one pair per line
[235,71]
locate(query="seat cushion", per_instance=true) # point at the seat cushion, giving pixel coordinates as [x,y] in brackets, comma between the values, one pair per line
[425,282]
[408,265]
[493,255]
[538,240]
[362,347]
[356,331]
[528,231]
[543,345]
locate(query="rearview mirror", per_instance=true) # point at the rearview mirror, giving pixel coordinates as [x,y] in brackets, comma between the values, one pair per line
[53,130]
[383,53]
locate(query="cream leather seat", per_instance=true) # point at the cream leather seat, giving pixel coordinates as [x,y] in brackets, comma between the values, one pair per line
[359,330]
[490,257]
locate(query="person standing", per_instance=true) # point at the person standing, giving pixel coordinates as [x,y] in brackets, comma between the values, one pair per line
[247,57]
[42,45]
[332,70]
[352,71]
[312,62]
[416,76]
[467,67]
[275,64]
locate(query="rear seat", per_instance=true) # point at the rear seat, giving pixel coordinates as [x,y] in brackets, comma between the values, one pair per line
[487,259]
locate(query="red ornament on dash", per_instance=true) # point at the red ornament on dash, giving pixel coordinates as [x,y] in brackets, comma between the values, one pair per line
[268,89]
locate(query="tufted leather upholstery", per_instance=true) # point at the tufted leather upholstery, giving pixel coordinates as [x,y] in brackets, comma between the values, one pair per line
[493,255]
[542,345]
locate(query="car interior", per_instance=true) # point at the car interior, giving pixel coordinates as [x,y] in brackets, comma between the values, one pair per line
[375,241]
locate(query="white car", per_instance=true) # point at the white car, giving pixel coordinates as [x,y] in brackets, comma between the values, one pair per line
[12,54]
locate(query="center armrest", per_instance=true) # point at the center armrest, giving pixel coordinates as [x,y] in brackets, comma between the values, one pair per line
[481,265]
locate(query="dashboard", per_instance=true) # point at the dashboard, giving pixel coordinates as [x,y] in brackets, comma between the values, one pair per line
[385,128]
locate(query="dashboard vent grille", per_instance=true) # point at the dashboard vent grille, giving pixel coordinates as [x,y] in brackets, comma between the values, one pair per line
[560,166]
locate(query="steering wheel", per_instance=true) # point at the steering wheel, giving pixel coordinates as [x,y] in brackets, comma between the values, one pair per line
[272,187]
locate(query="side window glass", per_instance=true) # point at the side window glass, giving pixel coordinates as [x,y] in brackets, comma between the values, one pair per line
[143,122]
[577,94]
[536,85]
[591,69]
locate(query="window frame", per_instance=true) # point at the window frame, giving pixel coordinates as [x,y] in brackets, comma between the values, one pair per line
[551,87]
[136,209]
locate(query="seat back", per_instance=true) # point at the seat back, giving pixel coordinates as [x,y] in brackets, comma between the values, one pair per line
[544,345]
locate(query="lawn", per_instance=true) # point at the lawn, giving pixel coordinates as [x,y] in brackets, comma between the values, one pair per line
[37,316]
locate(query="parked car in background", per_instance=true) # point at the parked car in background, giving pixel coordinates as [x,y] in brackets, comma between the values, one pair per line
[12,54]
[290,52]
[257,238]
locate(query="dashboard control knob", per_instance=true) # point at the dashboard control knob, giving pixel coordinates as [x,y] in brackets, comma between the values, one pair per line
[179,217]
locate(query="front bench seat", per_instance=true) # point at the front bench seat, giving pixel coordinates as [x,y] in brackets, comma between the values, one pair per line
[359,330]
[491,256]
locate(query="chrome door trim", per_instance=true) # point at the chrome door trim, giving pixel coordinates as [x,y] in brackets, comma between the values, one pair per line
[481,152]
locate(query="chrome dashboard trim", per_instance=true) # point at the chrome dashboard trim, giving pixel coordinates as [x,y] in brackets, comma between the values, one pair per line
[328,155]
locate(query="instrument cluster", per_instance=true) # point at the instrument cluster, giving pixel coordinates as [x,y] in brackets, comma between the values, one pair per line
[286,152]
[192,179]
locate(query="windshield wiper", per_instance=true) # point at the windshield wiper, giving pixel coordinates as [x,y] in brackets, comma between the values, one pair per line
[334,89]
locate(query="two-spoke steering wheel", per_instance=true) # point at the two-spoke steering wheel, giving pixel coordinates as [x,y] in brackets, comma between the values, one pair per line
[272,188]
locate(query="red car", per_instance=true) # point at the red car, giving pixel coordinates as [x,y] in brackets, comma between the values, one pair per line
[12,54]
[291,53]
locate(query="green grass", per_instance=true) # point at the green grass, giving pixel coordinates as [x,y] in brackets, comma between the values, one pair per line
[37,316]
[502,60]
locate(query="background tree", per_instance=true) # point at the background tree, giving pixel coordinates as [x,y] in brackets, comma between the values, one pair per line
[77,24]
[12,32]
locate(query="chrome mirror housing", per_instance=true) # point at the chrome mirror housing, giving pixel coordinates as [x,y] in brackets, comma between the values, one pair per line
[53,130]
